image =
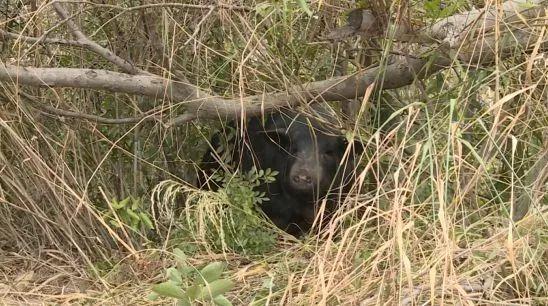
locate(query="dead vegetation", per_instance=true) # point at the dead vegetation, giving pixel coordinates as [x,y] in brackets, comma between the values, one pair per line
[452,162]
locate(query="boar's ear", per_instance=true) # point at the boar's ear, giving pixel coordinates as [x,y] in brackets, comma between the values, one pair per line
[357,146]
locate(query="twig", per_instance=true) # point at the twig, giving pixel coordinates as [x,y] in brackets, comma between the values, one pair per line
[199,25]
[171,4]
[182,119]
[38,40]
[97,119]
[93,46]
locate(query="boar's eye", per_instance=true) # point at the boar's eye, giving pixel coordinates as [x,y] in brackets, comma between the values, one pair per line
[329,153]
[343,143]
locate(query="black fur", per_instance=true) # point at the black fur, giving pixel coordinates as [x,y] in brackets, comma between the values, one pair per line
[307,156]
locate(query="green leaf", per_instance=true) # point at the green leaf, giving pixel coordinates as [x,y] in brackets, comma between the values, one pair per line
[212,271]
[174,275]
[193,292]
[136,203]
[134,217]
[153,296]
[169,289]
[527,5]
[184,302]
[124,202]
[116,205]
[216,288]
[222,301]
[432,7]
[146,220]
[305,8]
[180,257]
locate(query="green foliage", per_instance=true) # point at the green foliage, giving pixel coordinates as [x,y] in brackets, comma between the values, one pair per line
[262,295]
[190,286]
[304,7]
[244,230]
[238,225]
[130,212]
[229,218]
[240,188]
[439,9]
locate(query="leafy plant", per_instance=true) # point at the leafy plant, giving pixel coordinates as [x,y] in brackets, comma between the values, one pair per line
[229,218]
[263,293]
[129,211]
[240,187]
[249,233]
[188,285]
[439,9]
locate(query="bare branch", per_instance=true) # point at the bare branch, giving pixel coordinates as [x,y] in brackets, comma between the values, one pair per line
[200,105]
[146,85]
[167,4]
[461,28]
[93,46]
[69,22]
[396,75]
[198,26]
[36,40]
[203,106]
[96,119]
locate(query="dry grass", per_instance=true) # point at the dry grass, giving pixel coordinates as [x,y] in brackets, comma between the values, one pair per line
[429,220]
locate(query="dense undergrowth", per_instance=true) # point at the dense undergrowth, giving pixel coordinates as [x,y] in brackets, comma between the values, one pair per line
[93,213]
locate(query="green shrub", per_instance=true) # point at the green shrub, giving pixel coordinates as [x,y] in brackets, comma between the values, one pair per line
[189,285]
[229,218]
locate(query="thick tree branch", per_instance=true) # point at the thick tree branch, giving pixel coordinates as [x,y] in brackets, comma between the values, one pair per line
[201,105]
[146,85]
[470,26]
[398,74]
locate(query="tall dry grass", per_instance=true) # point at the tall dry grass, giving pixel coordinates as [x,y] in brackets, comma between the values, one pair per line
[429,219]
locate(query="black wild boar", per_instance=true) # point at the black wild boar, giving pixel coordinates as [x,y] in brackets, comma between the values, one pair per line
[308,156]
